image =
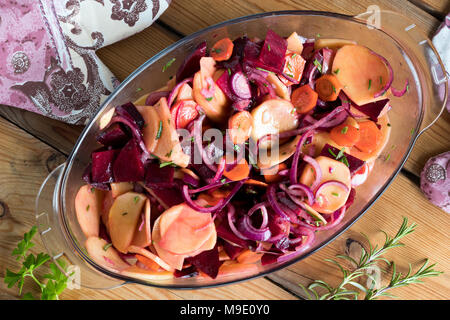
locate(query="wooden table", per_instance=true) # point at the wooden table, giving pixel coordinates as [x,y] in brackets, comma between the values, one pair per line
[33,145]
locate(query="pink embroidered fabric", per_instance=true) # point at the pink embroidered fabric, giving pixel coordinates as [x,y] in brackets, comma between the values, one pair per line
[48,63]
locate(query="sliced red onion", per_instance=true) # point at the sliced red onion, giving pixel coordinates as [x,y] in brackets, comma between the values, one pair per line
[304,189]
[187,178]
[390,77]
[271,197]
[262,83]
[298,152]
[174,93]
[197,134]
[241,105]
[317,170]
[230,216]
[155,96]
[400,93]
[220,171]
[336,183]
[250,232]
[240,86]
[197,207]
[265,216]
[208,186]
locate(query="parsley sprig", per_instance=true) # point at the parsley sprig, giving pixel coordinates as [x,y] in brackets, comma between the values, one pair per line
[56,280]
[349,288]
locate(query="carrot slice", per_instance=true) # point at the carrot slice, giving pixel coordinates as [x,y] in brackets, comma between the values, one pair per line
[257,183]
[240,126]
[271,174]
[222,49]
[328,87]
[345,135]
[304,99]
[239,172]
[370,136]
[248,256]
[149,263]
[293,66]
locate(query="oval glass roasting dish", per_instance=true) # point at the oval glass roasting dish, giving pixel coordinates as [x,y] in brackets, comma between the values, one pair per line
[408,50]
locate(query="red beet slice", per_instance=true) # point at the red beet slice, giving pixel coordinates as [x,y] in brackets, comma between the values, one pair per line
[192,63]
[354,164]
[102,164]
[128,166]
[114,136]
[207,261]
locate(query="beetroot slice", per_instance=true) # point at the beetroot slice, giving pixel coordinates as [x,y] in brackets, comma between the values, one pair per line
[87,177]
[273,51]
[155,174]
[223,84]
[373,109]
[186,272]
[354,164]
[102,164]
[192,63]
[231,250]
[171,196]
[128,110]
[128,166]
[224,232]
[207,261]
[114,136]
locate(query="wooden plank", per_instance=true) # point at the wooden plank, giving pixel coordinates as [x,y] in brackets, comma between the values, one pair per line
[24,164]
[438,8]
[430,240]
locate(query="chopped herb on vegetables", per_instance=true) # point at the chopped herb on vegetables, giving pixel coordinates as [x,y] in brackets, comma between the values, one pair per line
[107,246]
[160,128]
[344,130]
[318,65]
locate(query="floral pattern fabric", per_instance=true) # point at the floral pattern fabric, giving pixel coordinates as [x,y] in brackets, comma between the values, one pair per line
[48,63]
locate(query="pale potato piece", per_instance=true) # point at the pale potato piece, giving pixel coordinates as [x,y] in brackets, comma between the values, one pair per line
[285,151]
[151,127]
[105,255]
[333,44]
[88,205]
[123,219]
[280,88]
[118,188]
[294,43]
[271,117]
[143,274]
[143,238]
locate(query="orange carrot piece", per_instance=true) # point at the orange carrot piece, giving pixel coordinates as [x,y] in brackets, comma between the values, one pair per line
[345,135]
[293,67]
[257,183]
[248,256]
[222,49]
[239,172]
[149,263]
[271,175]
[370,136]
[328,87]
[240,126]
[304,99]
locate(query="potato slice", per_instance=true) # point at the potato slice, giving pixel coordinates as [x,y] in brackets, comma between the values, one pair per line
[123,219]
[88,205]
[118,188]
[271,117]
[151,256]
[280,88]
[285,152]
[143,238]
[332,44]
[332,197]
[294,43]
[106,118]
[107,203]
[361,73]
[168,147]
[143,274]
[105,255]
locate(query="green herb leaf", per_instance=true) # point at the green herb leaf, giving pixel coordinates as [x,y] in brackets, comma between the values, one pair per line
[209,99]
[318,65]
[370,84]
[164,164]
[336,71]
[107,246]
[168,64]
[160,129]
[344,130]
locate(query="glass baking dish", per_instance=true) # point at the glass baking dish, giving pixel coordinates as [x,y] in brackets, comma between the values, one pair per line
[397,38]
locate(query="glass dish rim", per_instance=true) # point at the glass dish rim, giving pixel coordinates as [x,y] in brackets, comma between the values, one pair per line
[150,61]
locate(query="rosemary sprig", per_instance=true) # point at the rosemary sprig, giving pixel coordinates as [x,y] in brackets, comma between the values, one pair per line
[367,260]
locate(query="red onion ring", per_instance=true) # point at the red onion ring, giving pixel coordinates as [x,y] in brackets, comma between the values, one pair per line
[317,170]
[155,96]
[260,206]
[250,232]
[174,93]
[298,152]
[400,93]
[230,217]
[197,207]
[271,197]
[331,183]
[390,79]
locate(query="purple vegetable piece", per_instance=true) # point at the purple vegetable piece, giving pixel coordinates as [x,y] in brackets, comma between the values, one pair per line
[224,232]
[241,105]
[155,96]
[435,180]
[203,171]
[312,67]
[273,51]
[351,198]
[354,164]
[192,63]
[103,233]
[207,261]
[154,174]
[327,54]
[171,196]
[128,110]
[224,84]
[231,250]
[308,49]
[87,177]
[113,136]
[102,166]
[186,272]
[373,109]
[268,258]
[240,86]
[128,166]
